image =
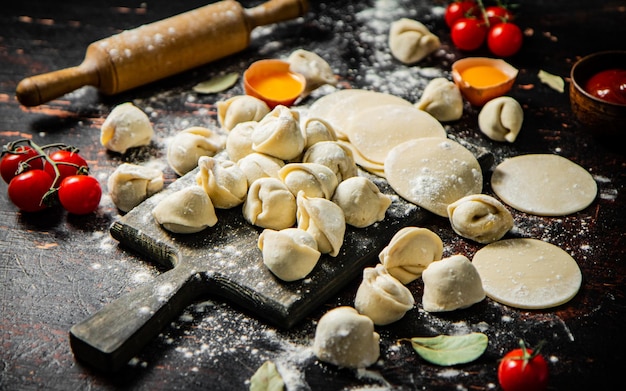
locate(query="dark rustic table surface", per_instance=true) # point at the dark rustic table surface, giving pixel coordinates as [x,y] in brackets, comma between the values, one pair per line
[57,269]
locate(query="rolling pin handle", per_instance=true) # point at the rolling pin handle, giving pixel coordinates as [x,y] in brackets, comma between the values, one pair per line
[275,11]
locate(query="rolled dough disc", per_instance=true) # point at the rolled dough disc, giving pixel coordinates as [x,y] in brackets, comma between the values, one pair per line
[433,172]
[527,273]
[544,185]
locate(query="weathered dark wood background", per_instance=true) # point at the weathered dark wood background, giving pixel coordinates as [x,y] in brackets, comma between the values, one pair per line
[56,269]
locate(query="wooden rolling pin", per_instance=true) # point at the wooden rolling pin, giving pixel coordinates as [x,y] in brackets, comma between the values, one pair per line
[160,49]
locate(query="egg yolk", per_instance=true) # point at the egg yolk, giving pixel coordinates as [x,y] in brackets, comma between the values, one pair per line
[278,86]
[483,76]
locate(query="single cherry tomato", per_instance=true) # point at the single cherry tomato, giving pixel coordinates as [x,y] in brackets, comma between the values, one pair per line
[497,14]
[28,189]
[504,39]
[80,194]
[11,161]
[69,163]
[468,33]
[523,370]
[458,10]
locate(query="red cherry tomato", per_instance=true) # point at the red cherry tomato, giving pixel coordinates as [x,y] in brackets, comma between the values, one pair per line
[497,14]
[27,190]
[11,162]
[80,194]
[468,33]
[504,39]
[458,10]
[523,370]
[69,163]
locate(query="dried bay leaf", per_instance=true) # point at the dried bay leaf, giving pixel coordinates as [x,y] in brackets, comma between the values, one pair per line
[267,378]
[553,81]
[446,350]
[217,84]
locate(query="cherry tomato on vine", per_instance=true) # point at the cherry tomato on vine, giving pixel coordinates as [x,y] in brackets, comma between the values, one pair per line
[468,33]
[498,14]
[523,370]
[458,10]
[80,194]
[64,156]
[504,39]
[27,190]
[11,161]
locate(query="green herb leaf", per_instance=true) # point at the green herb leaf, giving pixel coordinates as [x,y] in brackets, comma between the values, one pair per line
[448,350]
[217,84]
[267,378]
[553,81]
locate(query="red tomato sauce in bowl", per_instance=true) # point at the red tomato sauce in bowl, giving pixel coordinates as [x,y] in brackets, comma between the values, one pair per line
[608,85]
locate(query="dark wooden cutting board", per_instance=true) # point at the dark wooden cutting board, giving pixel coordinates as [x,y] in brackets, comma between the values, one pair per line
[224,261]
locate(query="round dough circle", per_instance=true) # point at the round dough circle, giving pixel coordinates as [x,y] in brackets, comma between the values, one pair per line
[527,273]
[544,185]
[433,173]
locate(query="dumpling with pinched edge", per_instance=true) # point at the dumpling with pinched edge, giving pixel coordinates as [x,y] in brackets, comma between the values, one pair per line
[317,130]
[361,200]
[345,338]
[381,297]
[442,99]
[259,165]
[270,204]
[223,180]
[501,119]
[240,108]
[409,253]
[480,217]
[239,140]
[410,41]
[278,134]
[315,180]
[324,220]
[130,184]
[315,69]
[185,211]
[290,254]
[334,156]
[127,126]
[188,145]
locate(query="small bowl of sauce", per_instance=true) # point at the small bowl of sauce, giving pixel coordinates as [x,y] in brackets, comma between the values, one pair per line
[273,82]
[481,79]
[598,93]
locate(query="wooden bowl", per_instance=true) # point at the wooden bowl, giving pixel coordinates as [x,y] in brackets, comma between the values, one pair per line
[602,118]
[273,82]
[479,95]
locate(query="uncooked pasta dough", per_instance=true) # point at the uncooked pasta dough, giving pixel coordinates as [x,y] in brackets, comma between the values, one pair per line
[278,134]
[450,284]
[315,180]
[480,217]
[240,108]
[239,140]
[259,165]
[126,127]
[433,173]
[527,273]
[324,220]
[381,297]
[442,99]
[223,180]
[315,69]
[188,145]
[345,338]
[410,41]
[501,119]
[409,253]
[317,130]
[333,155]
[185,211]
[130,184]
[544,185]
[270,204]
[290,254]
[361,201]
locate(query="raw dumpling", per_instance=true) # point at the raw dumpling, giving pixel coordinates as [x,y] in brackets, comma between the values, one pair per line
[442,99]
[381,297]
[278,134]
[334,156]
[450,284]
[188,145]
[126,127]
[130,184]
[270,204]
[315,180]
[259,165]
[410,41]
[501,119]
[290,254]
[240,108]
[315,69]
[185,211]
[317,130]
[239,140]
[361,201]
[223,181]
[410,252]
[480,217]
[324,220]
[347,339]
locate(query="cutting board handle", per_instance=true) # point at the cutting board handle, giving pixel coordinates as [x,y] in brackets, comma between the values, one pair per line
[111,337]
